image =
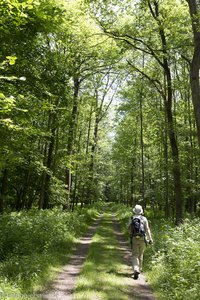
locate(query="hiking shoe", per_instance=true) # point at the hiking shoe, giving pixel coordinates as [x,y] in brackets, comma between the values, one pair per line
[136,274]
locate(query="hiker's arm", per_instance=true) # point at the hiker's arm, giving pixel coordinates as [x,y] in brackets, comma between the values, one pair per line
[148,231]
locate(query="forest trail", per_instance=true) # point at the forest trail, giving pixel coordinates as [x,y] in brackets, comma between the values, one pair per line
[64,287]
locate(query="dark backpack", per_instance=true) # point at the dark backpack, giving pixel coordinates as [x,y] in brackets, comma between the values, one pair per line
[137,227]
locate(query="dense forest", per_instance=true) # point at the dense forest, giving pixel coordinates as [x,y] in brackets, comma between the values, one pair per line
[99,108]
[65,67]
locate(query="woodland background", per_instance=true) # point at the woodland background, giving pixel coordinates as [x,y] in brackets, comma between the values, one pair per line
[65,65]
[99,102]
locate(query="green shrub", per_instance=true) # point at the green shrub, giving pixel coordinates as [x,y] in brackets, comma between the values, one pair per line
[32,242]
[176,265]
[172,263]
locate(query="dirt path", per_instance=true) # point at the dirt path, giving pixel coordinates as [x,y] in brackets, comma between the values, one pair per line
[140,288]
[63,286]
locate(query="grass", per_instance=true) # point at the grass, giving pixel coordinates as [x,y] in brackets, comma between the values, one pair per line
[33,247]
[103,275]
[172,263]
[175,265]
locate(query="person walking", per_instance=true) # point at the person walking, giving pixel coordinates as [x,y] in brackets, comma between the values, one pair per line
[140,235]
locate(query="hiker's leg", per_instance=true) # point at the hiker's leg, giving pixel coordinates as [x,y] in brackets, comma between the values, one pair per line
[135,255]
[141,253]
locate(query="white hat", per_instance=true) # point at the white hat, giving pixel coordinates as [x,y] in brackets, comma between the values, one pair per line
[138,210]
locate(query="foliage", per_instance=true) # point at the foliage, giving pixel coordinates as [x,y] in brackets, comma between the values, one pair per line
[32,242]
[175,264]
[172,262]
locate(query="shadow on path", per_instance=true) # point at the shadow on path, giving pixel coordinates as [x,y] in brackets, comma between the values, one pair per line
[64,285]
[62,288]
[140,288]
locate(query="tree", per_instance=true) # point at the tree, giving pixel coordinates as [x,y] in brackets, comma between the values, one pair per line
[195,62]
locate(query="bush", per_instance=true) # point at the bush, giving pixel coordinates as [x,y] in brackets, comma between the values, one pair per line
[32,242]
[176,263]
[172,263]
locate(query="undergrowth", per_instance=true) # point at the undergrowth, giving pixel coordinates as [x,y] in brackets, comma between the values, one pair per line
[32,243]
[172,263]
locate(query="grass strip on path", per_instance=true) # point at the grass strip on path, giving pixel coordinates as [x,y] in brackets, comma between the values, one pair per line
[102,276]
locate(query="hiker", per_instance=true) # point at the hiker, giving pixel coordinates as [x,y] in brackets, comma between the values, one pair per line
[140,235]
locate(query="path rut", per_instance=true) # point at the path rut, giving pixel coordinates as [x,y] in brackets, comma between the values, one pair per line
[63,287]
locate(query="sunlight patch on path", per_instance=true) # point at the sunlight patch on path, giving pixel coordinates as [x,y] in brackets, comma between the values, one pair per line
[63,286]
[139,287]
[102,276]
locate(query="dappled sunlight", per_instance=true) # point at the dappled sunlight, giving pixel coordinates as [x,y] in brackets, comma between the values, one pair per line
[103,275]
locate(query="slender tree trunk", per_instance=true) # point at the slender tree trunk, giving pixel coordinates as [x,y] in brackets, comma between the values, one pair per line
[98,110]
[170,122]
[132,182]
[195,63]
[44,201]
[91,167]
[166,170]
[166,159]
[89,131]
[73,200]
[43,177]
[121,189]
[174,148]
[18,203]
[27,178]
[3,189]
[142,150]
[71,133]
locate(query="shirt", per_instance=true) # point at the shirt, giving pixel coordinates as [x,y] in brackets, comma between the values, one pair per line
[146,225]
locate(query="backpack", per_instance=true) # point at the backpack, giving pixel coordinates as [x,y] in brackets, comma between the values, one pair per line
[137,227]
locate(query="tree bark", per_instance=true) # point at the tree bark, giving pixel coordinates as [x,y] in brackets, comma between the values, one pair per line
[195,63]
[44,201]
[142,150]
[71,133]
[3,189]
[168,99]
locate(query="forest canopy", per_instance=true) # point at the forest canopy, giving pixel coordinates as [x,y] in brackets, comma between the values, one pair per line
[100,100]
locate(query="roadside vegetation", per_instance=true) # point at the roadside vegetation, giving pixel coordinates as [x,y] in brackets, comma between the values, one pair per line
[172,263]
[34,245]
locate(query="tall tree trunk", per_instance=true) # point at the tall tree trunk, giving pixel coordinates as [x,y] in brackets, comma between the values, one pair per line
[71,133]
[142,151]
[168,99]
[43,177]
[195,63]
[93,150]
[89,131]
[132,182]
[174,145]
[166,160]
[73,198]
[166,170]
[3,189]
[44,200]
